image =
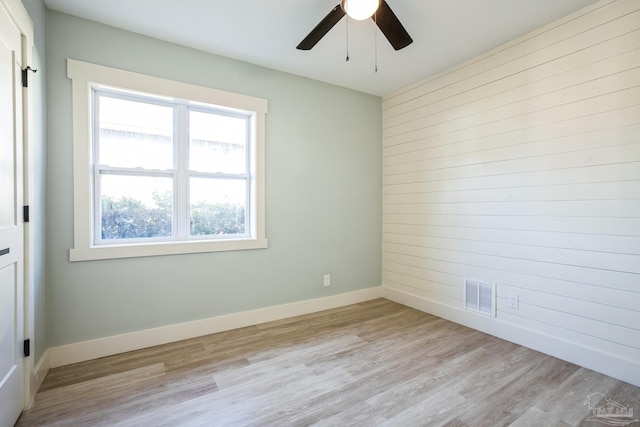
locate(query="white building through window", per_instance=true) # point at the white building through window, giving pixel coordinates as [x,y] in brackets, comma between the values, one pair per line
[163,167]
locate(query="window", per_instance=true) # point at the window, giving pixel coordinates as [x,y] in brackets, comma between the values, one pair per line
[163,167]
[151,155]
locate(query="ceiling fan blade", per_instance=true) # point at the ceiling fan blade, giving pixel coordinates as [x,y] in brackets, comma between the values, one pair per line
[391,27]
[322,28]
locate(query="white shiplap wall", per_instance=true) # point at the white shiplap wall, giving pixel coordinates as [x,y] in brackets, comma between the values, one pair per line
[522,167]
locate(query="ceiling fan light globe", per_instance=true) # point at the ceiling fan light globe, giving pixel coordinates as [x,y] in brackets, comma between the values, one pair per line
[360,9]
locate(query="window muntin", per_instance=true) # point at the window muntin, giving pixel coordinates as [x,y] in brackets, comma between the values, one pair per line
[166,170]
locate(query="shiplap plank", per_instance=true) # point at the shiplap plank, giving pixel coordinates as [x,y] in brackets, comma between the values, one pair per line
[447,271]
[597,174]
[503,147]
[600,78]
[598,60]
[453,168]
[447,283]
[586,325]
[426,293]
[528,153]
[565,208]
[437,289]
[533,110]
[572,273]
[628,318]
[592,191]
[618,120]
[627,263]
[508,161]
[464,130]
[585,225]
[629,245]
[590,29]
[578,22]
[499,149]
[613,208]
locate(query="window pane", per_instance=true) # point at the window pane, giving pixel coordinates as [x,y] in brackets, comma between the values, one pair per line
[217,143]
[136,206]
[135,134]
[218,206]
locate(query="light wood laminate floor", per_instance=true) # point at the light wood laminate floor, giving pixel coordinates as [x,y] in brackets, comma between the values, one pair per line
[371,364]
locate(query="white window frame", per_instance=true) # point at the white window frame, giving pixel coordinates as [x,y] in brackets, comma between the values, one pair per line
[84,76]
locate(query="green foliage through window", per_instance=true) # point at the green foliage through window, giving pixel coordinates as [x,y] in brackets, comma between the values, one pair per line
[208,219]
[129,218]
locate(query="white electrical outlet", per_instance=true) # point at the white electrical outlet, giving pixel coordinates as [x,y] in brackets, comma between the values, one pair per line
[327,280]
[513,300]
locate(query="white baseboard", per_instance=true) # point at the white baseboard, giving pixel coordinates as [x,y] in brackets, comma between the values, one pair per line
[588,357]
[37,377]
[108,346]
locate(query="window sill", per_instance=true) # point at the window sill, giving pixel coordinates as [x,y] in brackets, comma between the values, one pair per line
[166,248]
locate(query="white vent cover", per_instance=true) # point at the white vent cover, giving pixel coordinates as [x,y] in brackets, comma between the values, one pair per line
[480,296]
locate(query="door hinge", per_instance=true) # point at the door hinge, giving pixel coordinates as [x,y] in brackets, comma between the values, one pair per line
[27,347]
[25,213]
[25,76]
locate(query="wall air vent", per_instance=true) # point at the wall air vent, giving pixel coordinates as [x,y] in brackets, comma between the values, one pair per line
[480,296]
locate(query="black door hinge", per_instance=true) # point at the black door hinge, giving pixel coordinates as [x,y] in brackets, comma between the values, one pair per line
[27,348]
[25,213]
[25,76]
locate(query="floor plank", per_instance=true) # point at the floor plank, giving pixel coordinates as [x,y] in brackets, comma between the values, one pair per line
[374,363]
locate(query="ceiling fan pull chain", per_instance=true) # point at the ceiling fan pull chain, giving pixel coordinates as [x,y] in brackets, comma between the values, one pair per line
[375,40]
[347,39]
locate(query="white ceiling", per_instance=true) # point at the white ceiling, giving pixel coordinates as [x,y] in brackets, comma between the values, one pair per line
[445,33]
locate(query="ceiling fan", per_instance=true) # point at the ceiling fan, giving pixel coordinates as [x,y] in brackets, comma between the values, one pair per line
[378,10]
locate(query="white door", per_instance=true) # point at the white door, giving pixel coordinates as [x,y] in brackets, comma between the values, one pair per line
[11,228]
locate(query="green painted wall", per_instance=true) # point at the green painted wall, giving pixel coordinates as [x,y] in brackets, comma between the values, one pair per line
[323,194]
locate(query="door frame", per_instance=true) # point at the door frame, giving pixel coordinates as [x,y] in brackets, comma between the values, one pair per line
[23,22]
